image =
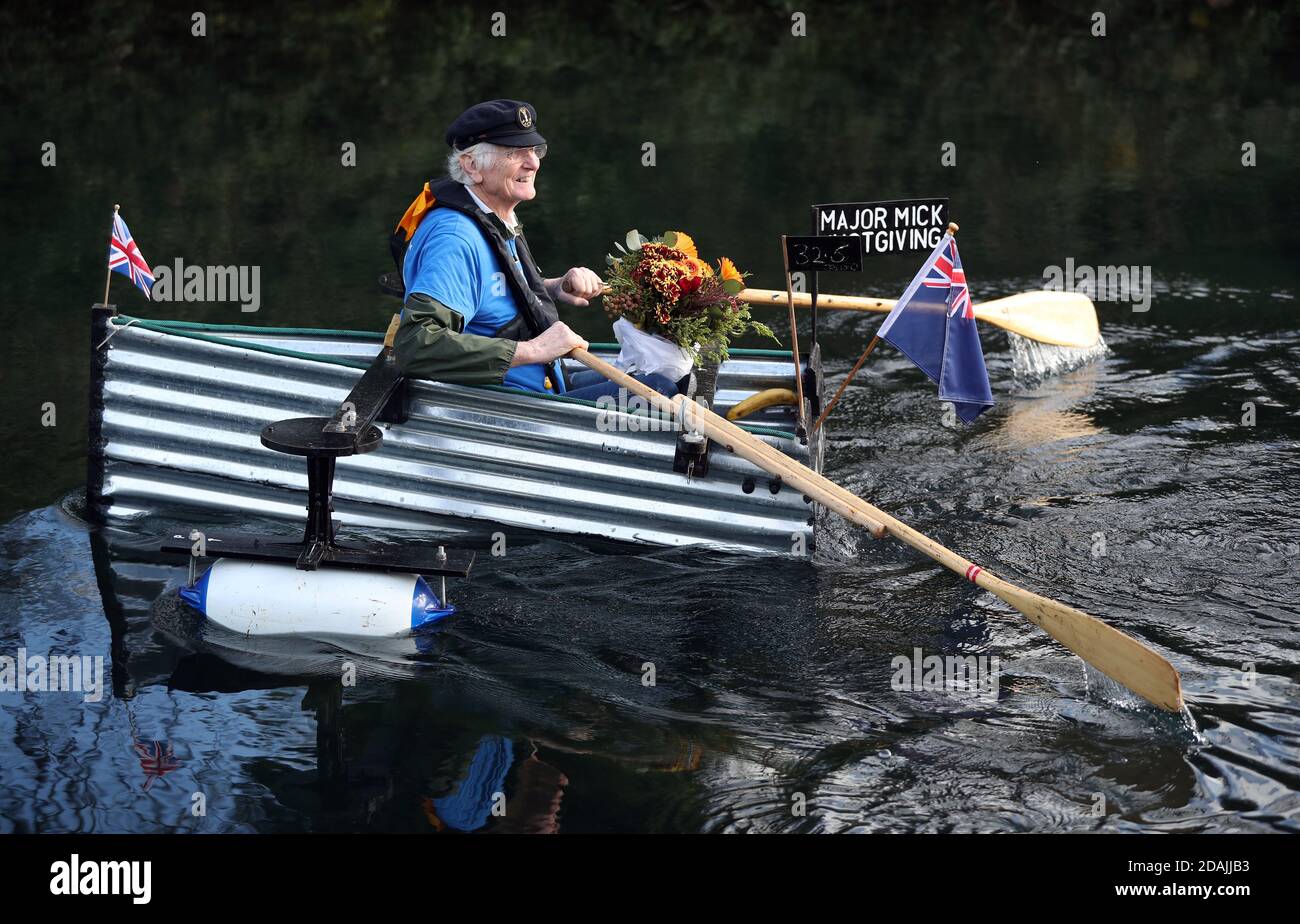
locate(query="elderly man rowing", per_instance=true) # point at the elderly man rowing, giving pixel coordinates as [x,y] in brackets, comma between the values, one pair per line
[478,310]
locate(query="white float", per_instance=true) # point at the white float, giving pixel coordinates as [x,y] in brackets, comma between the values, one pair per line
[262,598]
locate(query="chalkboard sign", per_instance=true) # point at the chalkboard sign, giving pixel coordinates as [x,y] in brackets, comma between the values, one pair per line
[827,254]
[894,226]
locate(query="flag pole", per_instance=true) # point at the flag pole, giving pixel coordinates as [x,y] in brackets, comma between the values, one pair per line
[845,384]
[952,230]
[109,277]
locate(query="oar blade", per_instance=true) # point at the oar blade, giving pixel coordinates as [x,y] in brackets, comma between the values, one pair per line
[1120,657]
[1066,319]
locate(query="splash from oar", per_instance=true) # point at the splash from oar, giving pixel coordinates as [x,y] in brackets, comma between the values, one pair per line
[1032,361]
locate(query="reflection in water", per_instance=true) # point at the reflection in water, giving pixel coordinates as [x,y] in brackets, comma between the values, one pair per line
[156,760]
[397,756]
[351,787]
[1046,412]
[480,793]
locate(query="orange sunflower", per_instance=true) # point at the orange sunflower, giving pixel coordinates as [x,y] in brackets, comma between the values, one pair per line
[685,244]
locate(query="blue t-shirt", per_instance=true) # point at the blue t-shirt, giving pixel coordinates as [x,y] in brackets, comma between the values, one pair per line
[450,260]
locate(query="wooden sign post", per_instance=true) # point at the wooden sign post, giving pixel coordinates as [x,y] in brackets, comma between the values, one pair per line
[814,254]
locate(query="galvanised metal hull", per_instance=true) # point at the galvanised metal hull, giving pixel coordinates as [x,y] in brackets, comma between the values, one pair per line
[175,423]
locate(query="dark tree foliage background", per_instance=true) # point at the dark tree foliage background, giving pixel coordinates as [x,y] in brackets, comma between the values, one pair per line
[225,149]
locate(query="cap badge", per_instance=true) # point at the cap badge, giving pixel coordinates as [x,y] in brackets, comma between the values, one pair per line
[525,117]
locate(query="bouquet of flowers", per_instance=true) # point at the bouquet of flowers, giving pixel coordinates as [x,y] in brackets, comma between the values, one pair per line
[664,288]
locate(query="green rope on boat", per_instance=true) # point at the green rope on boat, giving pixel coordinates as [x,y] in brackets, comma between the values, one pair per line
[194,331]
[191,331]
[176,326]
[251,329]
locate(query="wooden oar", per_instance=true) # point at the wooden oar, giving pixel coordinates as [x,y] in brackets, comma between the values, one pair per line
[1118,656]
[1060,318]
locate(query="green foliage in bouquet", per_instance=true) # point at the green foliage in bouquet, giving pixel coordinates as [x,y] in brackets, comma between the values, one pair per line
[664,288]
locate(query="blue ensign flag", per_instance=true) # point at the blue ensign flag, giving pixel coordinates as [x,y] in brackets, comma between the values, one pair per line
[933,324]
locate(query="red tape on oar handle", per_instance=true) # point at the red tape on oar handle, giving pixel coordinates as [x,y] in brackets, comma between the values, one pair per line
[973,572]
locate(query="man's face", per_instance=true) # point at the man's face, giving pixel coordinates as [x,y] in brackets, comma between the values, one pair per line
[510,177]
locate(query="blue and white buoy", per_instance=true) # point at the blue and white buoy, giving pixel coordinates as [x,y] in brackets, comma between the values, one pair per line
[262,598]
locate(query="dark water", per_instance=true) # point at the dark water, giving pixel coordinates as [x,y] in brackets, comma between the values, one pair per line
[773,678]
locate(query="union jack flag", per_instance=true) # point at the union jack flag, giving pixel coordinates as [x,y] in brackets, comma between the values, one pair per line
[125,258]
[947,273]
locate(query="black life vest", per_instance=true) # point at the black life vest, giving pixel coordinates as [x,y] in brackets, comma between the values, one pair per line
[536,309]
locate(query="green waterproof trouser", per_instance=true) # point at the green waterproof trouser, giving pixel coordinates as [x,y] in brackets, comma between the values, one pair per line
[430,344]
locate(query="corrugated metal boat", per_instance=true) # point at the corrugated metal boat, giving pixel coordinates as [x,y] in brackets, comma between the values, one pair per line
[176,409]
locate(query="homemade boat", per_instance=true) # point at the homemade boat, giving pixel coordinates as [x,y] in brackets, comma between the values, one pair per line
[176,409]
[174,404]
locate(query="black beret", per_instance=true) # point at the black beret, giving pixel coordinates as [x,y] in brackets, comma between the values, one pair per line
[507,122]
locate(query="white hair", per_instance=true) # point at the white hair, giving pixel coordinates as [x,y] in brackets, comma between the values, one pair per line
[483,154]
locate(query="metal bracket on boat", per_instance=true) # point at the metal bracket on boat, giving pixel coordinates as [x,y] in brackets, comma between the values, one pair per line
[812,379]
[691,457]
[322,440]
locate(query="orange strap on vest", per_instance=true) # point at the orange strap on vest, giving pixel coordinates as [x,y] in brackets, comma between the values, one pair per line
[415,214]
